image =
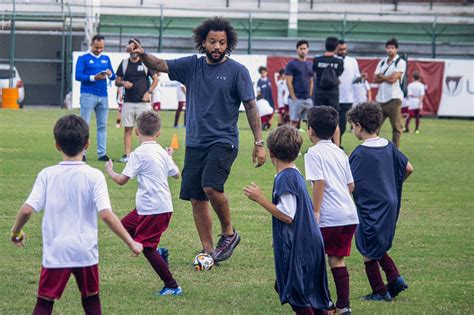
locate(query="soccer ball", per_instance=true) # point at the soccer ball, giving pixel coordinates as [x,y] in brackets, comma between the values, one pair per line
[203,261]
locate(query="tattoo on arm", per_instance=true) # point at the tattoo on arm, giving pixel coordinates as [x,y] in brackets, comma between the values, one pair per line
[254,119]
[154,63]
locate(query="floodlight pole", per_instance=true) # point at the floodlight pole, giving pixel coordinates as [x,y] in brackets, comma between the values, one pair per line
[12,45]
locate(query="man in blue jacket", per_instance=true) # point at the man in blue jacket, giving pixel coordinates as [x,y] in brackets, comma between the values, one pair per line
[92,70]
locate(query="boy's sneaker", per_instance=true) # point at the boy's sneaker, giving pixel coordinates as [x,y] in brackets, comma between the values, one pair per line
[225,246]
[163,251]
[377,297]
[397,286]
[345,311]
[170,291]
[123,159]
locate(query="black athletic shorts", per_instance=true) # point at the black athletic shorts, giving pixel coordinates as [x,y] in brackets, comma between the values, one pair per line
[327,101]
[206,167]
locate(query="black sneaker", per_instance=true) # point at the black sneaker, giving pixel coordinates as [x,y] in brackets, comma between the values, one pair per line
[225,246]
[104,158]
[397,286]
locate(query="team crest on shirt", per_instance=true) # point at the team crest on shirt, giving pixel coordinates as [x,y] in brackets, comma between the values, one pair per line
[104,61]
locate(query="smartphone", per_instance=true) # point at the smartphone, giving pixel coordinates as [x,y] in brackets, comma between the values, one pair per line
[103,72]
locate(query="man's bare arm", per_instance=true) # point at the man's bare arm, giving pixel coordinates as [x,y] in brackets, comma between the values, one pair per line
[254,119]
[258,153]
[291,89]
[150,61]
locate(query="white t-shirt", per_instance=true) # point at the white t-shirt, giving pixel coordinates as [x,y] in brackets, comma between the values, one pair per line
[350,73]
[325,161]
[388,91]
[283,93]
[416,89]
[360,92]
[264,107]
[287,204]
[179,91]
[71,195]
[375,142]
[152,165]
[156,95]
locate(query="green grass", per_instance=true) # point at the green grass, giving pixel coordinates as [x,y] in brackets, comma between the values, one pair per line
[433,247]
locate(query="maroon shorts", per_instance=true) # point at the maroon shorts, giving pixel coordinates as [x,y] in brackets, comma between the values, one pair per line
[284,110]
[146,229]
[53,281]
[338,239]
[414,112]
[157,106]
[266,119]
[405,110]
[181,105]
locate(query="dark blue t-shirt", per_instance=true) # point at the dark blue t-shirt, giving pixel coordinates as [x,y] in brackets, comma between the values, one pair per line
[264,86]
[213,96]
[302,73]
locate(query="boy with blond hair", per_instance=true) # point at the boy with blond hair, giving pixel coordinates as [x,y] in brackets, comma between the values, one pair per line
[152,165]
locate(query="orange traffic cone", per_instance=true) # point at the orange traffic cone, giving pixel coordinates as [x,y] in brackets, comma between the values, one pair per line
[174,142]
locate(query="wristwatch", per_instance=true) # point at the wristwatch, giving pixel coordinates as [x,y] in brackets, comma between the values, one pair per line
[259,143]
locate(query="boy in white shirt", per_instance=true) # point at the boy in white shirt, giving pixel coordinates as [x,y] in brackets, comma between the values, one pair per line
[71,194]
[152,165]
[283,93]
[327,168]
[416,94]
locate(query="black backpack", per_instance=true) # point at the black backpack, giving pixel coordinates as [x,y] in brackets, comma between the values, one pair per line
[328,79]
[403,81]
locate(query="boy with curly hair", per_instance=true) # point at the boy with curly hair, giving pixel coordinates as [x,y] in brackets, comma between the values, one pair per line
[379,171]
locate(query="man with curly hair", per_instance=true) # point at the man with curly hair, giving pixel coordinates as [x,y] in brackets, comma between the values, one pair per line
[215,87]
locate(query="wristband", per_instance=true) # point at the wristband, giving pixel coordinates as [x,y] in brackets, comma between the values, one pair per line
[259,143]
[17,236]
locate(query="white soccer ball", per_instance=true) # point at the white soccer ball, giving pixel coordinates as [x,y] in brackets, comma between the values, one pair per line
[203,261]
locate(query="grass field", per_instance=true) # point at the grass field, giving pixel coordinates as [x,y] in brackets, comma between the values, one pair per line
[433,245]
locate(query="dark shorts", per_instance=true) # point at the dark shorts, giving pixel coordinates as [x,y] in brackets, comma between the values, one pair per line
[327,101]
[53,281]
[146,229]
[206,167]
[338,239]
[405,110]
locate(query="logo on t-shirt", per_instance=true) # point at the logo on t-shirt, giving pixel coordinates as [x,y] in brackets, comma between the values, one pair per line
[221,77]
[91,61]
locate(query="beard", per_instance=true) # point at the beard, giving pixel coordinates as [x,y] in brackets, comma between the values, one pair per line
[134,56]
[215,60]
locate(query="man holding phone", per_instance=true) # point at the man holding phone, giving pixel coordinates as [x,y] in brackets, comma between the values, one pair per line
[92,70]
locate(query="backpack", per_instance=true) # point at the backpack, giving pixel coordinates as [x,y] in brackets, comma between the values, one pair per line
[403,81]
[328,79]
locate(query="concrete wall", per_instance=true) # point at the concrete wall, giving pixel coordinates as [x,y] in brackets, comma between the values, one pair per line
[42,81]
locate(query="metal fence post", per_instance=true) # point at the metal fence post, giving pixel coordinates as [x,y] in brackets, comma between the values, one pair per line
[249,48]
[160,42]
[433,36]
[12,45]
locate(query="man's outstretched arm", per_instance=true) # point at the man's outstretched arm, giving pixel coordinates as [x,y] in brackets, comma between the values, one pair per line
[258,154]
[149,60]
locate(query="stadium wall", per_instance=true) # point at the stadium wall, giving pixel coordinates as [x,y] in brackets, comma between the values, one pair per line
[449,83]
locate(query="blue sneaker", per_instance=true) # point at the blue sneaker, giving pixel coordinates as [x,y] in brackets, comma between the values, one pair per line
[170,291]
[397,286]
[377,297]
[163,251]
